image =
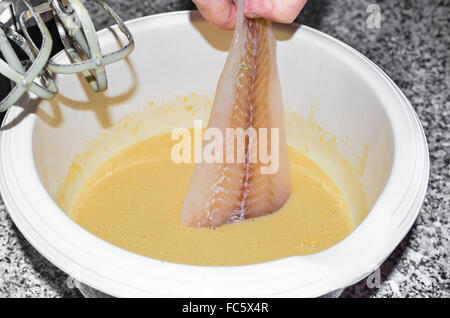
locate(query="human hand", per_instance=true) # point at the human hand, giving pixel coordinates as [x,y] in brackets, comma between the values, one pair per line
[222,13]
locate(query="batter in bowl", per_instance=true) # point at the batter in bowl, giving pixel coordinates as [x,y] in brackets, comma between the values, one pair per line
[134,201]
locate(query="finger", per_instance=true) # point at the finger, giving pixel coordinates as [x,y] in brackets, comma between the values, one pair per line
[221,13]
[284,11]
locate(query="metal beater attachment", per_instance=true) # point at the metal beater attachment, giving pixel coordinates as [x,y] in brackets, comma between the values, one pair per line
[80,41]
[14,70]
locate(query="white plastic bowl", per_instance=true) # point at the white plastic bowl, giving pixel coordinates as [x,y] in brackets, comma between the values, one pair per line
[179,53]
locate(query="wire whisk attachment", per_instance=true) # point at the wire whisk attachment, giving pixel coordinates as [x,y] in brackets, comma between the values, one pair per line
[78,35]
[12,68]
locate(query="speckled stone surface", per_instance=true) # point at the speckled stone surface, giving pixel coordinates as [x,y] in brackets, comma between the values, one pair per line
[413,48]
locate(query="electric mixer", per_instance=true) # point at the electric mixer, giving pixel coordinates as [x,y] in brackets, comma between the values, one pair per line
[26,45]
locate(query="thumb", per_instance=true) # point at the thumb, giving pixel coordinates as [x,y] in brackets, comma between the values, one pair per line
[284,11]
[221,13]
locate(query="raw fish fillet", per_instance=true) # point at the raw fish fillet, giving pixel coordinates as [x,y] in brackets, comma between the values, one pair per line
[248,95]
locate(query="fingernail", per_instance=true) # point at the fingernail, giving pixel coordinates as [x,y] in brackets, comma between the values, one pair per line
[251,15]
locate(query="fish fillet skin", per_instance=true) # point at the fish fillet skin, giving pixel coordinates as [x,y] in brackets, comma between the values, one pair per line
[248,95]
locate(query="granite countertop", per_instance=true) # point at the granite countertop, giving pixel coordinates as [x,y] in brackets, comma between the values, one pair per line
[413,47]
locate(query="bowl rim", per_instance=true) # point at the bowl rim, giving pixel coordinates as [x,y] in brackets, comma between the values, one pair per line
[118,272]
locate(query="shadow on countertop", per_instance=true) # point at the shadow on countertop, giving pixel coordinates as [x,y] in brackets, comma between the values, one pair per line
[362,290]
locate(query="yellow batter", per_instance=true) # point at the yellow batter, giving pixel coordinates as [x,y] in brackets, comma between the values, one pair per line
[134,201]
